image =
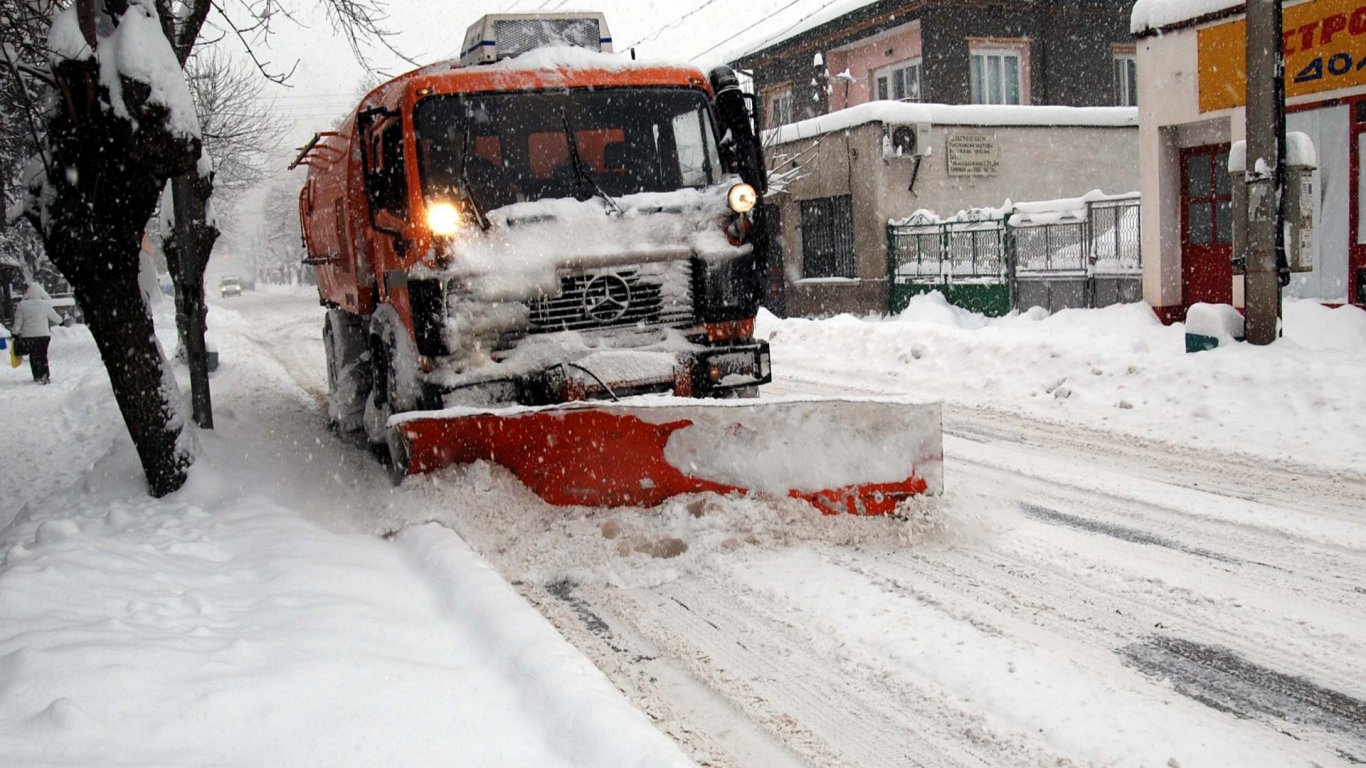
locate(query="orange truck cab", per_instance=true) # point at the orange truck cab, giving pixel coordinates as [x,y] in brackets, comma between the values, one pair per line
[539,222]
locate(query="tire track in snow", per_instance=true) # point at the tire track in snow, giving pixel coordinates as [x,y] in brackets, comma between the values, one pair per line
[809,690]
[1097,608]
[1223,680]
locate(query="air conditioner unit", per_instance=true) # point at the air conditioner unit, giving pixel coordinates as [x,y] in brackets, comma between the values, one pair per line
[909,140]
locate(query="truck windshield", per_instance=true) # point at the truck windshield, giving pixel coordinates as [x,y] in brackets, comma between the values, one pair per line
[515,147]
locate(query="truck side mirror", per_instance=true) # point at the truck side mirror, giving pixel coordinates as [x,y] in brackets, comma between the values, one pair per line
[733,110]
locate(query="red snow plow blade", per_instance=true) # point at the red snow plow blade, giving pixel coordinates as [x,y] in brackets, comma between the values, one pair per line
[856,457]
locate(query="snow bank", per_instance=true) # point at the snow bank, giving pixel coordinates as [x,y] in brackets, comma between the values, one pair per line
[244,620]
[1116,369]
[557,682]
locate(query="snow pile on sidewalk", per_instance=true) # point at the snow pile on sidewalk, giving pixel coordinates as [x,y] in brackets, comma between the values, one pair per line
[224,626]
[1116,368]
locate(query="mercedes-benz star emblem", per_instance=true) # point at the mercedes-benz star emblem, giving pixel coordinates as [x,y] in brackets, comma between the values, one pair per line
[606,298]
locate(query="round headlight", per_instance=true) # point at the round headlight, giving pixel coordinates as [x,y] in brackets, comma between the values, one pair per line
[443,219]
[742,198]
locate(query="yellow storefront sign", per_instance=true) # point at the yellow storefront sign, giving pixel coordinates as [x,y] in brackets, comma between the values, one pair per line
[1324,42]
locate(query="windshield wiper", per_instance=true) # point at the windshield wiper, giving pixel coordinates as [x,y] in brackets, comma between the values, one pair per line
[580,172]
[479,216]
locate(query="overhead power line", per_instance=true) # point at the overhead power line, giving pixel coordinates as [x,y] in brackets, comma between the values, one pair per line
[670,25]
[769,39]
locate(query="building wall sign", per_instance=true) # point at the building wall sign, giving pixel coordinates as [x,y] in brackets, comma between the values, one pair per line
[1324,43]
[973,154]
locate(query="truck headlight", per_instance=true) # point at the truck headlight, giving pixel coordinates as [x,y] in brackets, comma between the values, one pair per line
[742,198]
[443,219]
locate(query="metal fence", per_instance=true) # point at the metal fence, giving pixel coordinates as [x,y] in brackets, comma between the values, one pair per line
[1054,259]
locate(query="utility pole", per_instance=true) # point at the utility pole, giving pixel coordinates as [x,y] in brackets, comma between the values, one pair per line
[1265,170]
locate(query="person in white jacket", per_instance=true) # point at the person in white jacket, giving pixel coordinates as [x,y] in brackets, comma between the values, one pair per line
[32,319]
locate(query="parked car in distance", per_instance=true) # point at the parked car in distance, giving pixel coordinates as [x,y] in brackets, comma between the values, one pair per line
[230,286]
[248,282]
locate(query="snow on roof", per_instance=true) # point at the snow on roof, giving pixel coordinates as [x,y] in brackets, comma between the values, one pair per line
[572,57]
[896,112]
[1152,15]
[546,59]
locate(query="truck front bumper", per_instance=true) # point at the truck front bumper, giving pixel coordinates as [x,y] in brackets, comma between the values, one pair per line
[707,372]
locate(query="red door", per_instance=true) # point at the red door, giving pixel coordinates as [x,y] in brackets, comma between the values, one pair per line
[1206,226]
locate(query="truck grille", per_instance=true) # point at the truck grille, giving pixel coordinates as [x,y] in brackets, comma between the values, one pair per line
[647,295]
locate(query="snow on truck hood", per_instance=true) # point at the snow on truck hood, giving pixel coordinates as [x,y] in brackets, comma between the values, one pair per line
[519,257]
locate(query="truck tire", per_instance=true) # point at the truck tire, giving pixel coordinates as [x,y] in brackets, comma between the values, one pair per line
[348,371]
[395,387]
[377,406]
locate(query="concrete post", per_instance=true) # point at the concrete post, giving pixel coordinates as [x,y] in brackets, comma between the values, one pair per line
[1265,168]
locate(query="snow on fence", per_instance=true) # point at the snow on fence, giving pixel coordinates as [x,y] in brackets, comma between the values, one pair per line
[1074,252]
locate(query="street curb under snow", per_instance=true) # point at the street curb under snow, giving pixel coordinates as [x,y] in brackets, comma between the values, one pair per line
[575,697]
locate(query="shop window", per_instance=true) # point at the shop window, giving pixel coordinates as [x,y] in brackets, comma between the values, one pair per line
[1126,80]
[998,75]
[828,237]
[899,82]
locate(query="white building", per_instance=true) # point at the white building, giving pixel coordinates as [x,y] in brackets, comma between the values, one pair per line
[1191,70]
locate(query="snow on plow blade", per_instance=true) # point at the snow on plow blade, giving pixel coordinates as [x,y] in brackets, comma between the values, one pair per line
[857,457]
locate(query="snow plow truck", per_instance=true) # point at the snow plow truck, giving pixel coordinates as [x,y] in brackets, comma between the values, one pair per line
[551,257]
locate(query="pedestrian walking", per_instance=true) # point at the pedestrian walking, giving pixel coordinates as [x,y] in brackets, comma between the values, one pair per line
[32,319]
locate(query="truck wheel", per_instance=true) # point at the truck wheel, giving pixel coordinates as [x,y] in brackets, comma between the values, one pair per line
[348,371]
[377,406]
[398,458]
[393,364]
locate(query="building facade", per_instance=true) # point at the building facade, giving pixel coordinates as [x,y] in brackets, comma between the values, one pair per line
[844,176]
[1020,52]
[1192,89]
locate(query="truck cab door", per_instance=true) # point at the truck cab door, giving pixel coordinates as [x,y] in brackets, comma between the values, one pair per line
[386,175]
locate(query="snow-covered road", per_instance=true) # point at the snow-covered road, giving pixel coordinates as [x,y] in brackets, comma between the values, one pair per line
[1083,594]
[1078,596]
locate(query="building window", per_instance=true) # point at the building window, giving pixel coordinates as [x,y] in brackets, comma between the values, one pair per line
[899,82]
[1208,196]
[1126,80]
[997,76]
[828,237]
[779,106]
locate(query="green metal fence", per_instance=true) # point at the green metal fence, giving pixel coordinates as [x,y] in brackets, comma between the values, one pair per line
[964,260]
[994,263]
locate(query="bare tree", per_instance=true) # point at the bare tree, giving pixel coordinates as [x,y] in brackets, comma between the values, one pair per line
[278,236]
[115,125]
[235,120]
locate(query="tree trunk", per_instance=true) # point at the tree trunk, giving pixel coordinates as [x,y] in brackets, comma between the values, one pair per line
[187,256]
[111,169]
[144,387]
